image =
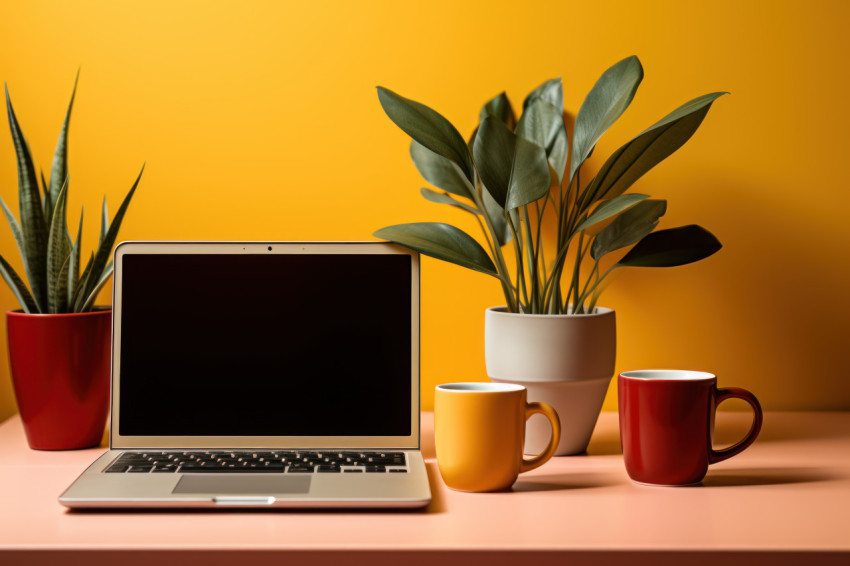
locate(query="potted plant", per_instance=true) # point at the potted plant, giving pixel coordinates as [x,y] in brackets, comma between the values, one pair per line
[551,230]
[59,342]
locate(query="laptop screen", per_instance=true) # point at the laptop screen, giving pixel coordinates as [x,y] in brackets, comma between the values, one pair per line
[273,344]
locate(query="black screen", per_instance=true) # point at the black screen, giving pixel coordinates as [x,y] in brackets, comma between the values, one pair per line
[265,345]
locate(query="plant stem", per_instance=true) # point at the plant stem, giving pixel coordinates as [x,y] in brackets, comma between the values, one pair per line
[551,292]
[595,293]
[581,252]
[508,289]
[552,288]
[560,197]
[574,284]
[520,269]
[486,235]
[567,222]
[594,271]
[531,254]
[501,267]
[540,258]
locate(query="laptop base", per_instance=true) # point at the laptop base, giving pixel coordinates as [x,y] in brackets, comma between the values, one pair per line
[95,489]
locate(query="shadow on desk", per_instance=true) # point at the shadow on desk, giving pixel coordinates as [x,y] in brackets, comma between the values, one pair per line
[564,482]
[802,426]
[732,426]
[763,476]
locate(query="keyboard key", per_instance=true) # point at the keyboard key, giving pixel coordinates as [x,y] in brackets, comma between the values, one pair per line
[194,466]
[130,458]
[258,461]
[396,459]
[240,471]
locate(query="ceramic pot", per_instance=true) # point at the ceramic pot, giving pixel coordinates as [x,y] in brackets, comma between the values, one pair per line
[566,361]
[60,372]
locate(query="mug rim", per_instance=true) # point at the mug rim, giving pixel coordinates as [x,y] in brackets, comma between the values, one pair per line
[479,387]
[668,375]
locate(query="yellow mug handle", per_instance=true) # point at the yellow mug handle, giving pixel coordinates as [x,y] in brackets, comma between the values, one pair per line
[549,413]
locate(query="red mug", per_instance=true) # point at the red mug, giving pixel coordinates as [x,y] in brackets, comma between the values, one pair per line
[667,424]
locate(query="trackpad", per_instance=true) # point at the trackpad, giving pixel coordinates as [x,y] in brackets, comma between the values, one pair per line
[243,484]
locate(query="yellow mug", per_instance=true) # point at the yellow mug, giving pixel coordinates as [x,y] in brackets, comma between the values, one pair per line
[479,431]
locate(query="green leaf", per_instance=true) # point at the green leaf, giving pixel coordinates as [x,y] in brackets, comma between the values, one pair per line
[19,288]
[76,301]
[514,170]
[500,108]
[104,250]
[552,91]
[429,128]
[61,288]
[540,123]
[558,153]
[59,168]
[543,124]
[611,208]
[441,241]
[74,264]
[47,200]
[471,143]
[628,228]
[605,102]
[439,171]
[669,248]
[653,145]
[58,251]
[494,149]
[16,229]
[98,285]
[444,198]
[496,213]
[33,226]
[530,179]
[104,220]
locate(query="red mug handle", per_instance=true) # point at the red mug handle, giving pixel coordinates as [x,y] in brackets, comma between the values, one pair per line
[715,456]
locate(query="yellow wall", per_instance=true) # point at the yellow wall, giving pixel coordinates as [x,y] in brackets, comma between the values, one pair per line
[260,121]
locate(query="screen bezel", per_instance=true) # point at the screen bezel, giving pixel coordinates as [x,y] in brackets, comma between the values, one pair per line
[118,441]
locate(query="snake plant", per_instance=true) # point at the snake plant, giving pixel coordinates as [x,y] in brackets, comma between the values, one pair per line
[58,282]
[524,186]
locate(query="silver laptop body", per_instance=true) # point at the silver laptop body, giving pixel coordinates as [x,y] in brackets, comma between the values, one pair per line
[262,374]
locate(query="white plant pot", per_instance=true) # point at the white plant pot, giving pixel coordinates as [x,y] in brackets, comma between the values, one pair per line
[566,361]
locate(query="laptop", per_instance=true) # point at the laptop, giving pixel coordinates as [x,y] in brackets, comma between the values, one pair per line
[257,374]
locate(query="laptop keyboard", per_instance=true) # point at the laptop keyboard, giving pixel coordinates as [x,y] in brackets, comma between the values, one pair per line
[269,461]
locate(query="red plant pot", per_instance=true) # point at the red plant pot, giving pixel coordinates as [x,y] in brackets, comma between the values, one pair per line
[60,371]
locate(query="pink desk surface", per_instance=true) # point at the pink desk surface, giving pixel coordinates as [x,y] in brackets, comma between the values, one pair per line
[786,500]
